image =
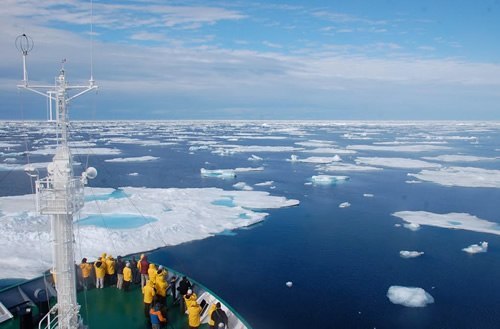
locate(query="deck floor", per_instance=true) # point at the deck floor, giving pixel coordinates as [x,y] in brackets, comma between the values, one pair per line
[113,308]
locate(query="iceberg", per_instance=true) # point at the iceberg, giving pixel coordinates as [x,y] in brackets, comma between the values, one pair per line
[409,296]
[477,248]
[410,254]
[344,205]
[327,179]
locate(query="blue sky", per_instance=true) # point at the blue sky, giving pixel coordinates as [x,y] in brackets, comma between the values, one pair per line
[400,60]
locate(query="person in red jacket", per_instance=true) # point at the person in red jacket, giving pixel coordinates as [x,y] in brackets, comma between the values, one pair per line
[143,266]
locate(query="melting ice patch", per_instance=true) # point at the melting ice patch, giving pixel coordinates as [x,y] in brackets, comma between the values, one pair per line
[315,160]
[477,248]
[458,158]
[409,296]
[226,173]
[328,179]
[343,167]
[397,163]
[399,148]
[182,215]
[410,254]
[461,176]
[133,159]
[460,221]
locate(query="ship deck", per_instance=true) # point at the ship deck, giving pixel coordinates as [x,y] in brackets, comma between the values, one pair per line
[111,307]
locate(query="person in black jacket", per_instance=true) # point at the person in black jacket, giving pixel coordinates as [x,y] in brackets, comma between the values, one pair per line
[183,288]
[219,317]
[120,264]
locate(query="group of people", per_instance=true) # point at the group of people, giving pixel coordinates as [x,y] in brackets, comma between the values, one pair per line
[154,283]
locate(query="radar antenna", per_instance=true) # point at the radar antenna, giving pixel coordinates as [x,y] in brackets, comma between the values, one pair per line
[60,194]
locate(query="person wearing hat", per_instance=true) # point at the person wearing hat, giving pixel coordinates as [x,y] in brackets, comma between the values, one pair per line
[194,312]
[127,276]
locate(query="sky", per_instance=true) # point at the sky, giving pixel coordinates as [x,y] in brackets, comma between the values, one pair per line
[294,60]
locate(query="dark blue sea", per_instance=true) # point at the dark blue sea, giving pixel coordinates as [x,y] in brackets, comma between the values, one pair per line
[341,260]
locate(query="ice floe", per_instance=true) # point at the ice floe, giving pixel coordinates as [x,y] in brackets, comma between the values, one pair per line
[80,151]
[315,160]
[226,173]
[409,296]
[253,157]
[368,195]
[458,158]
[343,167]
[459,221]
[477,248]
[266,183]
[396,163]
[133,159]
[242,186]
[344,205]
[412,226]
[461,176]
[181,215]
[410,254]
[329,150]
[328,179]
[399,148]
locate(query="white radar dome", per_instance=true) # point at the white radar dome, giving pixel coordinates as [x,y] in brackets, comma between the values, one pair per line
[91,172]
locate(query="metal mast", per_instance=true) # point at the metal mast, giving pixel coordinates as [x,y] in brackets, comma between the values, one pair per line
[60,194]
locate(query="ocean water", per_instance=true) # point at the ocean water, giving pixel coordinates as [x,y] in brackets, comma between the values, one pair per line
[341,261]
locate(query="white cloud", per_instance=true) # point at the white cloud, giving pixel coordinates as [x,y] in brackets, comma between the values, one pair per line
[409,296]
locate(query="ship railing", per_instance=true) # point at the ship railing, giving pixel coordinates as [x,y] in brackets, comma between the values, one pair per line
[59,200]
[51,320]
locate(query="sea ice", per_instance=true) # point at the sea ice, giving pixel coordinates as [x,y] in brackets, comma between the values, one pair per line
[315,160]
[458,158]
[266,183]
[368,195]
[181,215]
[327,179]
[253,157]
[412,226]
[343,167]
[410,254]
[344,205]
[242,186]
[329,150]
[80,151]
[460,221]
[133,159]
[399,148]
[409,296]
[477,248]
[133,174]
[397,163]
[461,176]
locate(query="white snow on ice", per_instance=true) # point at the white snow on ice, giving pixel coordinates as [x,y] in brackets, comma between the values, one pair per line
[328,179]
[344,167]
[459,221]
[409,296]
[410,254]
[399,148]
[477,248]
[133,159]
[242,186]
[182,215]
[458,158]
[344,205]
[315,160]
[461,176]
[396,163]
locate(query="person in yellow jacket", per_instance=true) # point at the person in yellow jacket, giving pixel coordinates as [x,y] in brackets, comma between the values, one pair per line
[161,286]
[211,323]
[86,268]
[152,272]
[149,295]
[194,311]
[190,298]
[127,276]
[100,272]
[110,270]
